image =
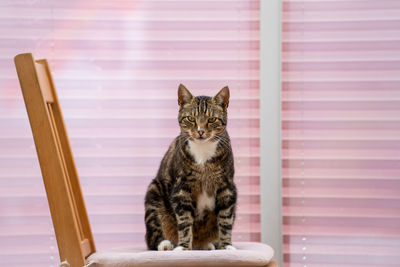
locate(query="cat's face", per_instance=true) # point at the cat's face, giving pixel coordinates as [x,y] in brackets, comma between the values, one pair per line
[202,118]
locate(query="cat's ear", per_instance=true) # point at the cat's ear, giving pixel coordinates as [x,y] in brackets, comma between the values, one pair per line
[184,96]
[222,98]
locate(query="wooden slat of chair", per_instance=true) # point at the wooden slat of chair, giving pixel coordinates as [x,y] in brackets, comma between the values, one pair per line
[71,224]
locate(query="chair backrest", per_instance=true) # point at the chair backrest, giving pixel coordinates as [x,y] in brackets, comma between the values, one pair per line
[67,207]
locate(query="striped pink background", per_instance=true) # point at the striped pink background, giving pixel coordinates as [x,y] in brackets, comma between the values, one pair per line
[117,66]
[341,133]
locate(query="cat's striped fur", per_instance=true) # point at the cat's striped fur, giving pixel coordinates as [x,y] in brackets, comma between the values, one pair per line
[191,202]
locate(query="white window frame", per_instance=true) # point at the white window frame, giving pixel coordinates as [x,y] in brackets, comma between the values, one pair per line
[270,125]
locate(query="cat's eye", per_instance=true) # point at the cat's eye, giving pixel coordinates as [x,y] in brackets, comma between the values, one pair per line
[190,118]
[211,120]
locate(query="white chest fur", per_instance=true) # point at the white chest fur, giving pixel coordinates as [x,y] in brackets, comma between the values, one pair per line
[205,202]
[202,151]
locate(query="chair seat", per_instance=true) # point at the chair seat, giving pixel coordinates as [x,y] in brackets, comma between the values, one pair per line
[247,254]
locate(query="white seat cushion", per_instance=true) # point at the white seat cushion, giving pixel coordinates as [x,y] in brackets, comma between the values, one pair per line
[247,254]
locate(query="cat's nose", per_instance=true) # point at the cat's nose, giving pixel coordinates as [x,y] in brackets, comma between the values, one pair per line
[201,132]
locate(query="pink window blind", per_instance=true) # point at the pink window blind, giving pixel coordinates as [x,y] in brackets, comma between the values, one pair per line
[340,131]
[117,66]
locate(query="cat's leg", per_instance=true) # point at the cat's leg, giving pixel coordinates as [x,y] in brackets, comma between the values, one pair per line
[225,208]
[154,232]
[184,212]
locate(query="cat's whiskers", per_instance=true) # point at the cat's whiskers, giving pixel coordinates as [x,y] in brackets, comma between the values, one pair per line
[224,143]
[182,140]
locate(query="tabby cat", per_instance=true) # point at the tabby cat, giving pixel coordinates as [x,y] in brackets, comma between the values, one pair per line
[191,202]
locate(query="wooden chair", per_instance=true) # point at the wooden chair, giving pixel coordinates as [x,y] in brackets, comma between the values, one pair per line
[71,223]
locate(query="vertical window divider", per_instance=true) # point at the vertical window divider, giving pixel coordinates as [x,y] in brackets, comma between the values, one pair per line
[270,125]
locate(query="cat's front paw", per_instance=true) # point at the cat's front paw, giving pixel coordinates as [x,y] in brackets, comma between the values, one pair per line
[179,248]
[227,247]
[165,245]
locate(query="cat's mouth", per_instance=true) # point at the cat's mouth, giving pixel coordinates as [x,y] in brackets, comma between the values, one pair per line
[201,138]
